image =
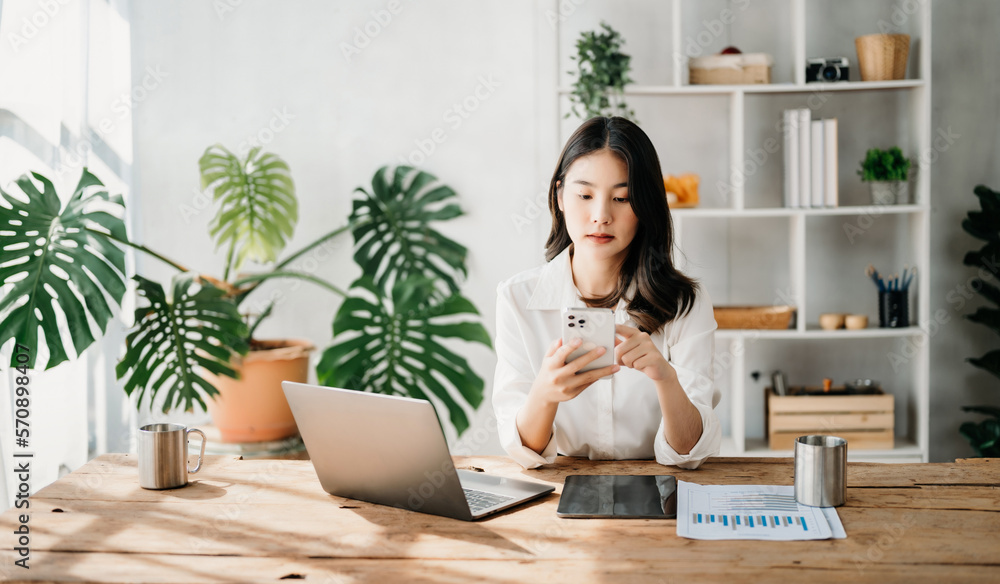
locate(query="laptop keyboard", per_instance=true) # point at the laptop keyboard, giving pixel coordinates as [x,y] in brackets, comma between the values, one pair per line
[481,500]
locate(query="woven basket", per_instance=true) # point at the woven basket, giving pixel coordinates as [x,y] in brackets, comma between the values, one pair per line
[754,317]
[882,57]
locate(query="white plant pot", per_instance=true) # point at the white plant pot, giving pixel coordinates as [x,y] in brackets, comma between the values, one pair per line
[890,192]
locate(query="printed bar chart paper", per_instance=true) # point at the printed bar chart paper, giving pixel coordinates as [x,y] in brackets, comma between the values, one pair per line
[751,512]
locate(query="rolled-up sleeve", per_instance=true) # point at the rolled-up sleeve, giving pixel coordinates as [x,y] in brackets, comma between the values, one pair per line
[512,382]
[692,354]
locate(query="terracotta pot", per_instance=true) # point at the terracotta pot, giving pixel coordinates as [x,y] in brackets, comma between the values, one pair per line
[253,407]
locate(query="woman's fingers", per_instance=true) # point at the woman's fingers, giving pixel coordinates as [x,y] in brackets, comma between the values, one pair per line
[625,349]
[553,347]
[625,331]
[586,359]
[563,352]
[585,380]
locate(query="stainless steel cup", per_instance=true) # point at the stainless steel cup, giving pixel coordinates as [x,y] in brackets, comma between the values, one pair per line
[163,455]
[820,470]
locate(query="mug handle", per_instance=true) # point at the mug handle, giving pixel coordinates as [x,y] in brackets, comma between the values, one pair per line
[200,454]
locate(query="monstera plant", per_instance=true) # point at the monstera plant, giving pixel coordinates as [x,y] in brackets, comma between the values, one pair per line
[388,333]
[984,436]
[65,265]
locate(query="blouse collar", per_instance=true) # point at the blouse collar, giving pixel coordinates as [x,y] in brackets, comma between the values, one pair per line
[555,289]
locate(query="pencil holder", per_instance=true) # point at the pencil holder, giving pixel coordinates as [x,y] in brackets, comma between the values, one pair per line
[893,309]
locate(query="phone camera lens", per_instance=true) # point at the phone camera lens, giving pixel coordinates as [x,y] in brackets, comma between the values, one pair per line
[582,321]
[571,317]
[571,324]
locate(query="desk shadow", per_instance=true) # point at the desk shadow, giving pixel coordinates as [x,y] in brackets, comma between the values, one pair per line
[405,521]
[196,490]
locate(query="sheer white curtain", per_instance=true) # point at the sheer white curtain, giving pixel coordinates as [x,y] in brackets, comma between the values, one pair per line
[66,102]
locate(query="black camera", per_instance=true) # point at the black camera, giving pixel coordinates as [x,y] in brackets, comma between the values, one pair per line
[825,70]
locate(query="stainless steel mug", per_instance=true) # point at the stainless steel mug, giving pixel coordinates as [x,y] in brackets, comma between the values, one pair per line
[163,455]
[820,470]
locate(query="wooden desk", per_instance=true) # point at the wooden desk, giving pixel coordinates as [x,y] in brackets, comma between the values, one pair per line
[264,520]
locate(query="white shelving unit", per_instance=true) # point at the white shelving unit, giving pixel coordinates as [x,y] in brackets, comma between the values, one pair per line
[749,205]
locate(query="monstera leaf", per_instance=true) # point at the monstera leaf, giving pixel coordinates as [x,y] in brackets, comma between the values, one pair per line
[258,208]
[59,262]
[392,234]
[196,326]
[394,346]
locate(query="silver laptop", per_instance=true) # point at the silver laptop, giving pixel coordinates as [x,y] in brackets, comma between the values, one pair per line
[391,450]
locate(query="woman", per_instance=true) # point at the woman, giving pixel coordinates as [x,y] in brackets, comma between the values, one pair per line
[609,247]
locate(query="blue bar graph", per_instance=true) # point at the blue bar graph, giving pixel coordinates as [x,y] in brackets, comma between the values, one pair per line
[765,512]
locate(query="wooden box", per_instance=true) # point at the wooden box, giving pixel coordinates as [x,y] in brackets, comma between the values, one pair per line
[865,420]
[741,69]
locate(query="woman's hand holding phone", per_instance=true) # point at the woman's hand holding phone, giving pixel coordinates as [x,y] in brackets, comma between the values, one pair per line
[559,381]
[635,349]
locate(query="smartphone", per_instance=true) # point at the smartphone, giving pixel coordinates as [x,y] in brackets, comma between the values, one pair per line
[596,328]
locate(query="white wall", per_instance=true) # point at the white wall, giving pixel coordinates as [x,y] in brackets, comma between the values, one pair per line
[966,103]
[224,77]
[224,74]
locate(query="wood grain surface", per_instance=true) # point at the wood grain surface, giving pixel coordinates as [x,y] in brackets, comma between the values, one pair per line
[265,520]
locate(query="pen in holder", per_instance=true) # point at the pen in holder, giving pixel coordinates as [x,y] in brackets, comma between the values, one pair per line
[893,297]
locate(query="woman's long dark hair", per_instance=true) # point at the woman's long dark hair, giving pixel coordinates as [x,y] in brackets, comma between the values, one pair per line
[662,293]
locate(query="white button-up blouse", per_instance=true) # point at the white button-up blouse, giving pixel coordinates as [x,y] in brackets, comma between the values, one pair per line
[617,417]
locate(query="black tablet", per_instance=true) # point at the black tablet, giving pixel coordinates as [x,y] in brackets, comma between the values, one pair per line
[619,496]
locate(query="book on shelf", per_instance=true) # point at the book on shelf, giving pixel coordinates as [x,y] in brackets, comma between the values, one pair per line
[811,161]
[805,158]
[831,196]
[791,132]
[816,163]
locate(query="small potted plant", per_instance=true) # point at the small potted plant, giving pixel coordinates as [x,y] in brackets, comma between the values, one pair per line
[602,73]
[66,261]
[888,172]
[984,435]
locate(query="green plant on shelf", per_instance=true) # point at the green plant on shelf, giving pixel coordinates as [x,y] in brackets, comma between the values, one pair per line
[884,165]
[984,436]
[601,75]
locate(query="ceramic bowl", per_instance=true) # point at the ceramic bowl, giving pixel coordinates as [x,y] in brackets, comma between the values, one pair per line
[856,321]
[829,321]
